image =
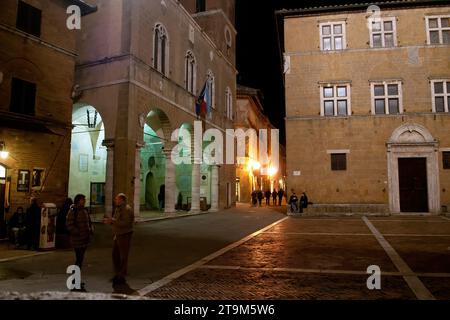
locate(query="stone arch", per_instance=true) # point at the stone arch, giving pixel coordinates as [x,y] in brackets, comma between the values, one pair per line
[157,130]
[88,156]
[22,68]
[411,133]
[413,140]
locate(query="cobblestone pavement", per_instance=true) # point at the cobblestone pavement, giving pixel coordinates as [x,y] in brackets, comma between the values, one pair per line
[324,258]
[158,249]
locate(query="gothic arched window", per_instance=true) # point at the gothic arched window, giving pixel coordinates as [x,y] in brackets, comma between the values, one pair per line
[211,88]
[190,72]
[161,49]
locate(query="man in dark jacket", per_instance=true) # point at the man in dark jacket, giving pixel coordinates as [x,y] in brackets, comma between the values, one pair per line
[80,228]
[122,226]
[280,196]
[267,195]
[260,197]
[274,197]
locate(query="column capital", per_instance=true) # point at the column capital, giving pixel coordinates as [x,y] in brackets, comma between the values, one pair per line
[108,143]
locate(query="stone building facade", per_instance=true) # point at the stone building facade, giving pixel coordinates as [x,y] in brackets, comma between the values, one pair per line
[367,106]
[37,64]
[140,69]
[250,173]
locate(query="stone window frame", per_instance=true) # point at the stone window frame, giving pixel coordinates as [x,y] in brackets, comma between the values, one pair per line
[335,98]
[332,35]
[229,103]
[211,83]
[386,96]
[439,28]
[190,72]
[446,159]
[445,95]
[338,161]
[161,48]
[383,32]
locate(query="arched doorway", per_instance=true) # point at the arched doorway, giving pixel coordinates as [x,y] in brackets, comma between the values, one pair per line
[413,170]
[153,160]
[87,156]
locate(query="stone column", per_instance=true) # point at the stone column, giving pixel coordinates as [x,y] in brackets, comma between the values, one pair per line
[195,192]
[170,187]
[215,188]
[137,180]
[109,176]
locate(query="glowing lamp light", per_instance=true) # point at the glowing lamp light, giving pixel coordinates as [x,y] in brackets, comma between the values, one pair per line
[272,171]
[3,153]
[256,165]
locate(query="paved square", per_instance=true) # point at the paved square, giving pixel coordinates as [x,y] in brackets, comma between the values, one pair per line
[324,258]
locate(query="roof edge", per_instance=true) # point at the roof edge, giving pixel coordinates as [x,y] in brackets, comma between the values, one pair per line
[360,6]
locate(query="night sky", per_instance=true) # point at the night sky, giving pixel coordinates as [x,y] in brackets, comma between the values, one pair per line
[258,52]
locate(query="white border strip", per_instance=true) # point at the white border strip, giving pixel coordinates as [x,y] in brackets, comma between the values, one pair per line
[419,289]
[162,282]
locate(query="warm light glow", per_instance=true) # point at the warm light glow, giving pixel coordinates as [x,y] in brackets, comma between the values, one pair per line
[4,154]
[256,165]
[272,171]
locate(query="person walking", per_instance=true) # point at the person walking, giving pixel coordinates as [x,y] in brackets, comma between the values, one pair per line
[267,195]
[122,228]
[254,198]
[280,196]
[79,225]
[274,197]
[260,197]
[33,224]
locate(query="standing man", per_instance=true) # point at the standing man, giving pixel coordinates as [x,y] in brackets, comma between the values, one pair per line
[79,225]
[274,197]
[122,228]
[267,195]
[280,196]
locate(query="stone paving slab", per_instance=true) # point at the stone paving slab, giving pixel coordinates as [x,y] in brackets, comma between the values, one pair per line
[439,287]
[348,226]
[308,252]
[250,285]
[435,227]
[423,254]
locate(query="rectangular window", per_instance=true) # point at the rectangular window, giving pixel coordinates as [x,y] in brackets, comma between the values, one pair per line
[332,36]
[446,159]
[28,19]
[200,5]
[335,100]
[386,97]
[23,96]
[440,92]
[438,30]
[338,161]
[383,33]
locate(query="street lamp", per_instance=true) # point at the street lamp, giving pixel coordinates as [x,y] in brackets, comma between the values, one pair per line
[3,153]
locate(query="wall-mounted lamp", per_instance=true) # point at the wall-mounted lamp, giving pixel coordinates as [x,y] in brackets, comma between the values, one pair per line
[3,153]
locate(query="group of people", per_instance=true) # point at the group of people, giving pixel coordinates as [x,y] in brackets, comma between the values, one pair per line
[295,205]
[258,196]
[74,221]
[24,227]
[81,231]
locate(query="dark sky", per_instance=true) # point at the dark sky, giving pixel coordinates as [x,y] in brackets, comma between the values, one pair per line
[258,54]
